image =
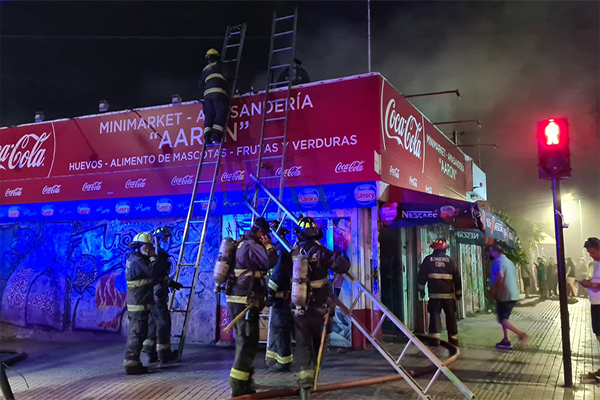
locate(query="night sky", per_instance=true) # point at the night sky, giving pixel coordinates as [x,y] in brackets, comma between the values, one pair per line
[514,63]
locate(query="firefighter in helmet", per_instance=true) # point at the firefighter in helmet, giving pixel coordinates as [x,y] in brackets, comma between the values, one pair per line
[442,276]
[214,85]
[140,272]
[279,348]
[318,301]
[255,255]
[158,342]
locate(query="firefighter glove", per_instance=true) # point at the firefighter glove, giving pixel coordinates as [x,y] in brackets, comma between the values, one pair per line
[176,285]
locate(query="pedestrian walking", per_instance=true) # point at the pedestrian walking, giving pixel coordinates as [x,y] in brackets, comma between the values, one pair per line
[506,293]
[542,278]
[526,276]
[572,289]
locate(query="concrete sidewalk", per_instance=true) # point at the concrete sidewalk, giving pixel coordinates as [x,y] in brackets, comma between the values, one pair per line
[86,371]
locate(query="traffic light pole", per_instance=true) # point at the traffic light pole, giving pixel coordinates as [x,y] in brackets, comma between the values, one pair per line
[562,284]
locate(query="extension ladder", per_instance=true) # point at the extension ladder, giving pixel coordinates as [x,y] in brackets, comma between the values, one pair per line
[233,43]
[371,335]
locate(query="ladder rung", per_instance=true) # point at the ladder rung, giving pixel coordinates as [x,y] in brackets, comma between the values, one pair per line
[196,222]
[271,177]
[213,144]
[283,33]
[202,182]
[187,287]
[192,243]
[178,311]
[232,45]
[286,17]
[176,336]
[228,61]
[209,163]
[273,138]
[280,66]
[270,158]
[187,265]
[278,83]
[275,119]
[282,49]
[234,33]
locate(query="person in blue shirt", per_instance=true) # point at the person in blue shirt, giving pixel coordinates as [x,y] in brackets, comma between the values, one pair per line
[506,293]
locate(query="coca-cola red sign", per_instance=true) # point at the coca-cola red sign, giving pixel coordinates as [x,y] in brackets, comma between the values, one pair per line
[292,171]
[182,181]
[354,166]
[51,189]
[236,176]
[16,192]
[135,184]
[91,187]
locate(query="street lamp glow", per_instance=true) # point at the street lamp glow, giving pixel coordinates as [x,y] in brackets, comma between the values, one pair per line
[567,197]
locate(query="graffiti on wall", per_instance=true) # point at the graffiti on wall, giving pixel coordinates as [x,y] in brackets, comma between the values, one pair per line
[70,275]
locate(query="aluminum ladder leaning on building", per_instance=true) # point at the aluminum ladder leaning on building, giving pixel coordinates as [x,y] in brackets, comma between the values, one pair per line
[371,335]
[233,43]
[283,46]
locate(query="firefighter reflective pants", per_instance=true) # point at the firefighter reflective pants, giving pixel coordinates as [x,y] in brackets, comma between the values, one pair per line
[246,345]
[138,330]
[309,328]
[159,331]
[279,349]
[435,307]
[215,113]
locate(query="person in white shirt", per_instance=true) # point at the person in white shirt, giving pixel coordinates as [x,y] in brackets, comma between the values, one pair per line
[592,245]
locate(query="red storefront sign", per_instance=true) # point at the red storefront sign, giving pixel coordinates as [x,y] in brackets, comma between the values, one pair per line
[336,131]
[414,153]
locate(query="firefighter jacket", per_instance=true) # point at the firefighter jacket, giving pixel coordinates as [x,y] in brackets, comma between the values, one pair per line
[442,276]
[320,261]
[215,80]
[280,280]
[140,273]
[163,267]
[252,261]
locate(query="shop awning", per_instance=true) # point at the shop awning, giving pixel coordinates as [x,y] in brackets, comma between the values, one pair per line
[407,208]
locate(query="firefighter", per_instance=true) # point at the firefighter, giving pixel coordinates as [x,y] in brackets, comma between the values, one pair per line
[255,255]
[158,343]
[140,274]
[214,85]
[279,348]
[442,276]
[309,319]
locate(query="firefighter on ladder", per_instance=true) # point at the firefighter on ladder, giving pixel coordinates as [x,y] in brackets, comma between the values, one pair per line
[279,348]
[158,342]
[444,285]
[255,255]
[140,273]
[214,85]
[312,297]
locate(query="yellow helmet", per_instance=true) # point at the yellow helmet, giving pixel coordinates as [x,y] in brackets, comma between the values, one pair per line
[141,238]
[212,52]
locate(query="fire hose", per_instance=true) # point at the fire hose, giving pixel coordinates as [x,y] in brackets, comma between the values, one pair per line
[17,355]
[270,394]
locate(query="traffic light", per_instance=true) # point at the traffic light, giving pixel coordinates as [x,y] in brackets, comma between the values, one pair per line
[554,156]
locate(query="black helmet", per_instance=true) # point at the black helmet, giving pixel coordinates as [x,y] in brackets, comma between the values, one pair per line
[277,227]
[309,229]
[261,224]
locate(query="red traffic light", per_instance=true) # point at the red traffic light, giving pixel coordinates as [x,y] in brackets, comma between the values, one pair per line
[554,155]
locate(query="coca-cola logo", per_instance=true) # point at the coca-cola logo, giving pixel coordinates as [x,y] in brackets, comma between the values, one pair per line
[395,172]
[91,187]
[365,194]
[308,197]
[184,180]
[290,172]
[122,207]
[405,131]
[83,210]
[131,184]
[354,166]
[236,176]
[164,205]
[27,152]
[51,189]
[47,211]
[16,192]
[13,212]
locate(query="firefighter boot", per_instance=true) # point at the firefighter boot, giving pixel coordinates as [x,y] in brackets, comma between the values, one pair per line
[208,136]
[168,355]
[305,394]
[217,136]
[151,351]
[136,370]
